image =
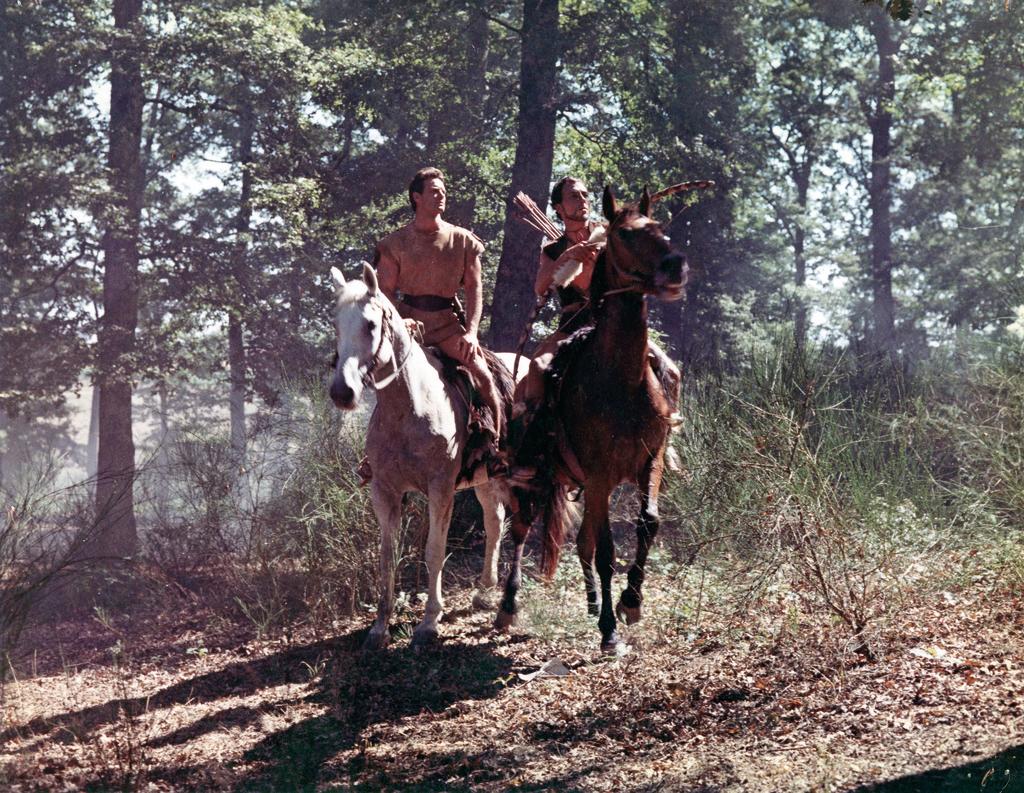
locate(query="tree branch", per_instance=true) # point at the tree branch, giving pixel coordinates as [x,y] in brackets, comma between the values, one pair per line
[500,21]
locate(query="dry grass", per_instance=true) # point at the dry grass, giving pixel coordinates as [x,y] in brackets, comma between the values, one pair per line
[178,695]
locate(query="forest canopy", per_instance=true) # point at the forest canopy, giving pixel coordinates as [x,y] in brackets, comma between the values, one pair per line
[179,177]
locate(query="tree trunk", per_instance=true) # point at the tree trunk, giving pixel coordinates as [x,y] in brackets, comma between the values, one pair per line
[802,176]
[236,337]
[883,340]
[93,445]
[464,126]
[5,445]
[531,171]
[115,511]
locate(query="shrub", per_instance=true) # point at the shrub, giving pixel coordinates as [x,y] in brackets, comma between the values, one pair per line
[43,532]
[800,466]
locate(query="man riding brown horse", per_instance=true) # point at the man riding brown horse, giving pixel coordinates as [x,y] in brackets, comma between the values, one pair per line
[571,201]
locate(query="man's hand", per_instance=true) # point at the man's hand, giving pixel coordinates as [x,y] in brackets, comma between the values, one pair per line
[583,252]
[469,345]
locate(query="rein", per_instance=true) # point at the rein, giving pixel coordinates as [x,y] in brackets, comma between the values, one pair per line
[636,283]
[387,332]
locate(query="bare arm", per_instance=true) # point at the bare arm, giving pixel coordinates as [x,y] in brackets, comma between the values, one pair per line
[474,286]
[387,275]
[387,280]
[545,273]
[583,252]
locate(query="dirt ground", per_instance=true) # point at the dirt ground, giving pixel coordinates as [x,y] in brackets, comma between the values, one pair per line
[177,695]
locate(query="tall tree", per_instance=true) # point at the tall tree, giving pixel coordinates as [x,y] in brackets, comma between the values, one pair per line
[798,99]
[51,161]
[531,171]
[878,108]
[236,328]
[116,530]
[712,62]
[963,214]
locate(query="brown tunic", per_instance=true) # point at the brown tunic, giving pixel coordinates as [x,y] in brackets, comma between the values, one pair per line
[432,263]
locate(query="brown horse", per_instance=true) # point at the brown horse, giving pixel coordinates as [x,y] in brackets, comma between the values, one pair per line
[605,419]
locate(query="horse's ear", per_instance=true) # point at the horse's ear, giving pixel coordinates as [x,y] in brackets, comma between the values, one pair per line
[337,279]
[370,277]
[645,202]
[608,204]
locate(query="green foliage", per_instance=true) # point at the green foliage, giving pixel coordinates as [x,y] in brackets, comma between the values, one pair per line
[50,161]
[797,464]
[278,140]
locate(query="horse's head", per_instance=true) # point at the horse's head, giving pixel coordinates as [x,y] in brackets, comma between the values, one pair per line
[362,321]
[640,256]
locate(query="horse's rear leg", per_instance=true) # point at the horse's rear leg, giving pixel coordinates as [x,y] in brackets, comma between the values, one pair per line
[494,524]
[441,498]
[387,505]
[647,524]
[509,609]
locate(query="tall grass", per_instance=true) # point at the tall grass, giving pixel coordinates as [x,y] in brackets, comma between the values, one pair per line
[801,467]
[293,531]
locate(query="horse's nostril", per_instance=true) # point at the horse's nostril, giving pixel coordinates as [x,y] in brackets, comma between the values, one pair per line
[673,266]
[341,394]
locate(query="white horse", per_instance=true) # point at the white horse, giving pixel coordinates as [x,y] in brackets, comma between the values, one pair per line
[414,442]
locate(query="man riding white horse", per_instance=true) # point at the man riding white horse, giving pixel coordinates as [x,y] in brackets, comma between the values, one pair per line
[416,440]
[428,261]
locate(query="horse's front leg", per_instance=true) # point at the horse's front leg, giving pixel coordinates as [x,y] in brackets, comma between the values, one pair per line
[628,608]
[441,496]
[494,524]
[595,523]
[387,505]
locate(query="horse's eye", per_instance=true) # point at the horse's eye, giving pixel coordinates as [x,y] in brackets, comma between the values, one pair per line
[371,325]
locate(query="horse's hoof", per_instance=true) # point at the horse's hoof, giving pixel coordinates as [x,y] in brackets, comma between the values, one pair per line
[483,600]
[376,640]
[627,614]
[424,638]
[504,621]
[610,644]
[594,609]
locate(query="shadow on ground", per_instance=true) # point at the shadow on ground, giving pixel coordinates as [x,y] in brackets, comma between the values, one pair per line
[356,689]
[362,690]
[237,679]
[1001,773]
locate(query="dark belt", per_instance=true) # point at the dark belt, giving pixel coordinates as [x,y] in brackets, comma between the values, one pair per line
[429,302]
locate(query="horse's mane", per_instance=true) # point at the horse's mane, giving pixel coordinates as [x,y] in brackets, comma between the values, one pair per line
[599,280]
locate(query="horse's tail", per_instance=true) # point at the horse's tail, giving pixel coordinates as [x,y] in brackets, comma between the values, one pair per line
[559,512]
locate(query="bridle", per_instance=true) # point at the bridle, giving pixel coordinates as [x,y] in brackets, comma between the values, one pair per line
[387,333]
[635,282]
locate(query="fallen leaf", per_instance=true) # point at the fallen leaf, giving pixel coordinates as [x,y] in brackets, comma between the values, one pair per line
[553,667]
